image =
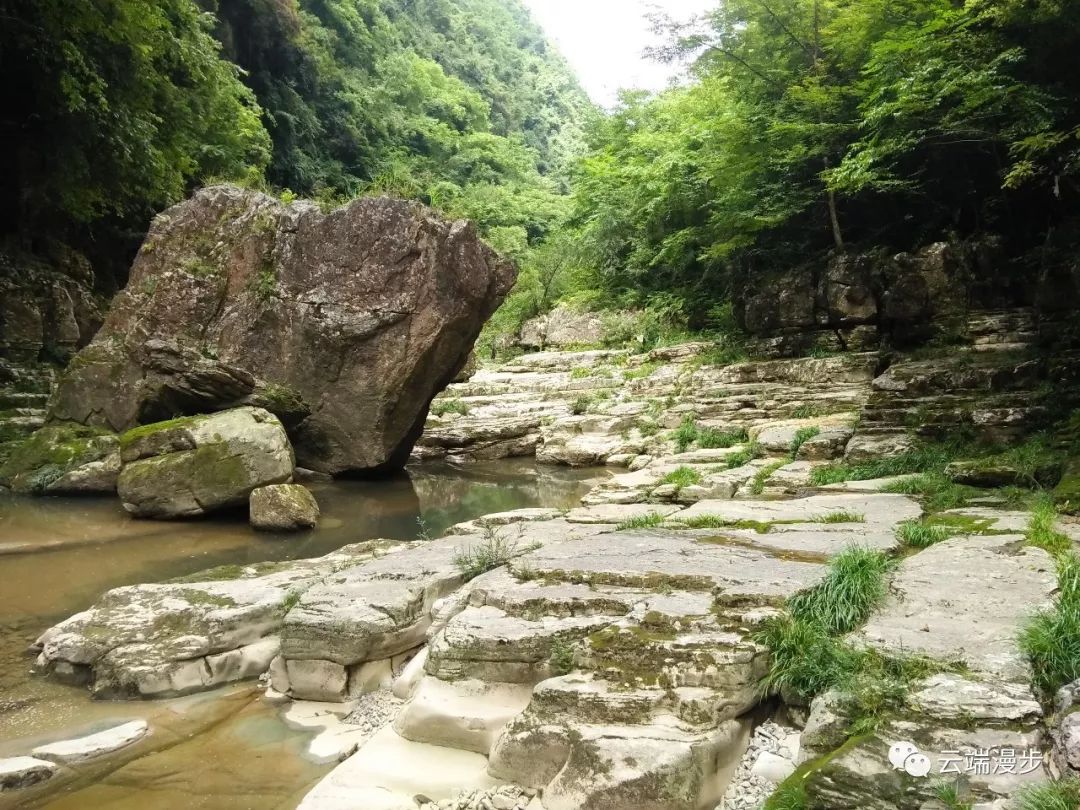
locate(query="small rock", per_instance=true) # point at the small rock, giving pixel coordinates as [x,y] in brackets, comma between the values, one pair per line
[283,508]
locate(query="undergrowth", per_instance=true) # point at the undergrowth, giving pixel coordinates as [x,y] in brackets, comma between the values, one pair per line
[1051,639]
[1061,795]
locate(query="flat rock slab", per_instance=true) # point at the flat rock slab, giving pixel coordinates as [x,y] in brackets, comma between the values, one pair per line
[94,745]
[617,513]
[965,599]
[388,771]
[651,558]
[876,509]
[22,772]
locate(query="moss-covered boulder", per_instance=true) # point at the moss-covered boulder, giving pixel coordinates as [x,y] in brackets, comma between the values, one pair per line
[190,466]
[283,508]
[63,459]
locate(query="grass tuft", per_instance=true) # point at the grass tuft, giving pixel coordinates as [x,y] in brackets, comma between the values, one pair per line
[938,492]
[1051,640]
[929,458]
[682,477]
[918,534]
[788,797]
[648,521]
[1062,795]
[802,436]
[706,438]
[841,516]
[1042,529]
[493,551]
[854,585]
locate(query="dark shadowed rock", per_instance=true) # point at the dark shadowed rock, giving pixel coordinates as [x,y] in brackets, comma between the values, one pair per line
[345,324]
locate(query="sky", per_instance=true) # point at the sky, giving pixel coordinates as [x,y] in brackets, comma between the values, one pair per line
[604,40]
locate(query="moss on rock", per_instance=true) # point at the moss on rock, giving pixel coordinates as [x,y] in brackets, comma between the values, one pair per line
[51,453]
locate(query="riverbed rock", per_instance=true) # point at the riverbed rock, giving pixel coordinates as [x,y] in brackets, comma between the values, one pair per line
[166,639]
[197,464]
[63,459]
[283,508]
[344,323]
[23,772]
[93,745]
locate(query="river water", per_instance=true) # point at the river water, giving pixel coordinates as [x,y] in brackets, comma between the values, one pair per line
[228,750]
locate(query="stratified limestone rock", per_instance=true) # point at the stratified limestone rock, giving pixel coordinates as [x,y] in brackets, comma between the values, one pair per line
[63,459]
[345,323]
[189,466]
[963,602]
[1000,585]
[283,508]
[174,638]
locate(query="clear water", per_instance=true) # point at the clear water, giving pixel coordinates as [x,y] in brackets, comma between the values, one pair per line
[57,555]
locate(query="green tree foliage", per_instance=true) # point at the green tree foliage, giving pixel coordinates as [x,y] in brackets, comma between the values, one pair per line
[111,108]
[816,125]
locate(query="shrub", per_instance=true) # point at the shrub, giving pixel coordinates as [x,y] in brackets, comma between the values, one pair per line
[561,659]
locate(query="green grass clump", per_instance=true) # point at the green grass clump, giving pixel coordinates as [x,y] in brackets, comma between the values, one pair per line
[1051,639]
[1062,795]
[937,491]
[788,797]
[745,456]
[928,458]
[682,477]
[493,551]
[806,660]
[948,794]
[706,438]
[581,405]
[445,406]
[648,521]
[854,585]
[757,485]
[841,516]
[802,436]
[561,660]
[1042,529]
[918,534]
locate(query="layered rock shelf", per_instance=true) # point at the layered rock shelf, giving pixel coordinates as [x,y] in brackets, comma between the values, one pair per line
[611,655]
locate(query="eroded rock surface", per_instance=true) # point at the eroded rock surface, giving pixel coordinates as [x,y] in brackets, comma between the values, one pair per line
[345,324]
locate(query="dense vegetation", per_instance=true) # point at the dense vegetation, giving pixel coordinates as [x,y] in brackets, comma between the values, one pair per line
[821,125]
[113,109]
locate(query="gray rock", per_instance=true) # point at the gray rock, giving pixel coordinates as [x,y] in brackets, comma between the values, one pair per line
[23,772]
[283,508]
[63,459]
[346,324]
[190,466]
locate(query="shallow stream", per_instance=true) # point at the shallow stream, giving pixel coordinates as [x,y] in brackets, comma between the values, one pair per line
[227,750]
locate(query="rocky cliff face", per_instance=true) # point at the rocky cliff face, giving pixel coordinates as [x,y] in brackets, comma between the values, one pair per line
[345,324]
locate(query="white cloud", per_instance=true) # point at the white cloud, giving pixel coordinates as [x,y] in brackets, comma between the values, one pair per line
[605,40]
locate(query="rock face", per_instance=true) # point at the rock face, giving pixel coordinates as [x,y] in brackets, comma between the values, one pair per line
[562,328]
[283,508]
[345,324]
[189,466]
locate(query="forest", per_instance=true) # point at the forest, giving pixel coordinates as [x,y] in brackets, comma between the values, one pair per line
[806,128]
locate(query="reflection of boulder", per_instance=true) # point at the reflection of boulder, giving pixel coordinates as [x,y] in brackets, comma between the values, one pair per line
[347,322]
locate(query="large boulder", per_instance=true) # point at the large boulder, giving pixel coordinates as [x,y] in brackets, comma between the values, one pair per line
[197,464]
[344,323]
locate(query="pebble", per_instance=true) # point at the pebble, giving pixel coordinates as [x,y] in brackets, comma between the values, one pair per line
[748,790]
[505,797]
[373,711]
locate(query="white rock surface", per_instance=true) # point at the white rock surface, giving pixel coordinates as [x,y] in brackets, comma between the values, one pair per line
[93,745]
